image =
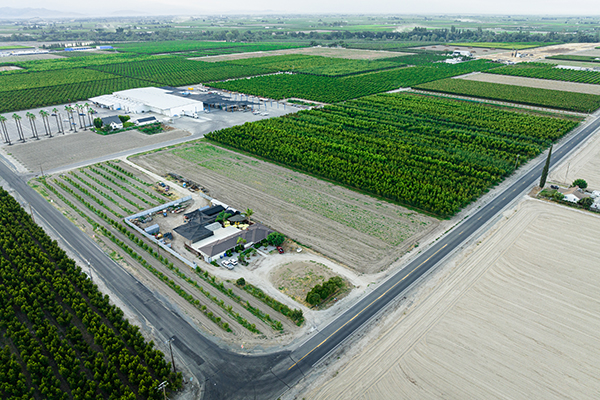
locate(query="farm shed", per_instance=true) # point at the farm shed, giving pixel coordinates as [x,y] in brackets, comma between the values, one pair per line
[145,121]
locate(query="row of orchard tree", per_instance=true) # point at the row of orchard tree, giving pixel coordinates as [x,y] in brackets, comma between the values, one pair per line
[60,338]
[435,155]
[81,110]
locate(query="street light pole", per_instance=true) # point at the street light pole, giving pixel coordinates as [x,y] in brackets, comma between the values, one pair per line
[163,386]
[171,349]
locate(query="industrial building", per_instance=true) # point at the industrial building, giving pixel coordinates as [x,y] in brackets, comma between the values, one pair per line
[210,240]
[149,99]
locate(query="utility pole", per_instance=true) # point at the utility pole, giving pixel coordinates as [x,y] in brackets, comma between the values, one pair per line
[163,386]
[31,211]
[171,349]
[42,170]
[516,161]
[567,174]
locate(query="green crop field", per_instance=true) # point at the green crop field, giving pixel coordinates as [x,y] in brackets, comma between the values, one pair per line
[50,78]
[14,47]
[74,62]
[178,71]
[319,65]
[419,59]
[201,48]
[566,57]
[549,71]
[505,45]
[60,338]
[388,46]
[517,94]
[436,155]
[61,94]
[332,90]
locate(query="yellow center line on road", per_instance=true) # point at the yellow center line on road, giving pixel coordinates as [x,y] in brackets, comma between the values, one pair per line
[370,304]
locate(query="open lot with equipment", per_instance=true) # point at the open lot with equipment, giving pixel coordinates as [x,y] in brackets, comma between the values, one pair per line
[96,198]
[357,230]
[517,316]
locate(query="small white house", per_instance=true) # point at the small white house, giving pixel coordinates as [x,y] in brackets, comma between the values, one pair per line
[113,121]
[573,194]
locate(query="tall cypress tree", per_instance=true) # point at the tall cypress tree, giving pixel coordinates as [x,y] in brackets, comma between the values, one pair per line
[545,170]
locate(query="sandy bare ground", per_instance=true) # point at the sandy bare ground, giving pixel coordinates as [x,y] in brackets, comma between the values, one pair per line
[296,278]
[534,83]
[517,318]
[352,54]
[354,229]
[477,51]
[584,164]
[542,52]
[85,145]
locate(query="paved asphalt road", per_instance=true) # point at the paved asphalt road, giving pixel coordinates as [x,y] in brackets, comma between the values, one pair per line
[232,376]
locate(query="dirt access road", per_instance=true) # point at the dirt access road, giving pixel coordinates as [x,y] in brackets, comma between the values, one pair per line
[516,316]
[359,231]
[533,83]
[351,54]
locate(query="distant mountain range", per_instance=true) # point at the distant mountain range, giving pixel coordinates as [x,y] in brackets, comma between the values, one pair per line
[12,13]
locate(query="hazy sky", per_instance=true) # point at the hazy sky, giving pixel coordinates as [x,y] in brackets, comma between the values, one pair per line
[183,7]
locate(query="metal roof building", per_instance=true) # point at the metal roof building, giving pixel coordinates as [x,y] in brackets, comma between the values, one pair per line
[149,99]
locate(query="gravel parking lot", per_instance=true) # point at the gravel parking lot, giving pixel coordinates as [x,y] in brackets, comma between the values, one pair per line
[73,147]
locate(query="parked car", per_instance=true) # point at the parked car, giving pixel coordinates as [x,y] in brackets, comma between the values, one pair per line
[225,263]
[280,249]
[554,187]
[233,262]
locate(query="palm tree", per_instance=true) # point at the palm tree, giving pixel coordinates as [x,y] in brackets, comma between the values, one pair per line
[6,136]
[81,115]
[248,213]
[44,114]
[31,117]
[17,119]
[58,122]
[90,111]
[71,118]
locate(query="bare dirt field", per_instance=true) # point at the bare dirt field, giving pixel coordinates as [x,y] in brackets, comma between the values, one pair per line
[352,54]
[477,51]
[30,57]
[10,68]
[541,52]
[516,316]
[584,164]
[594,52]
[534,83]
[359,231]
[86,145]
[296,278]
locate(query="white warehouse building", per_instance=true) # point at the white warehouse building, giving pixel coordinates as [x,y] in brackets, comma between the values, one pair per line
[149,99]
